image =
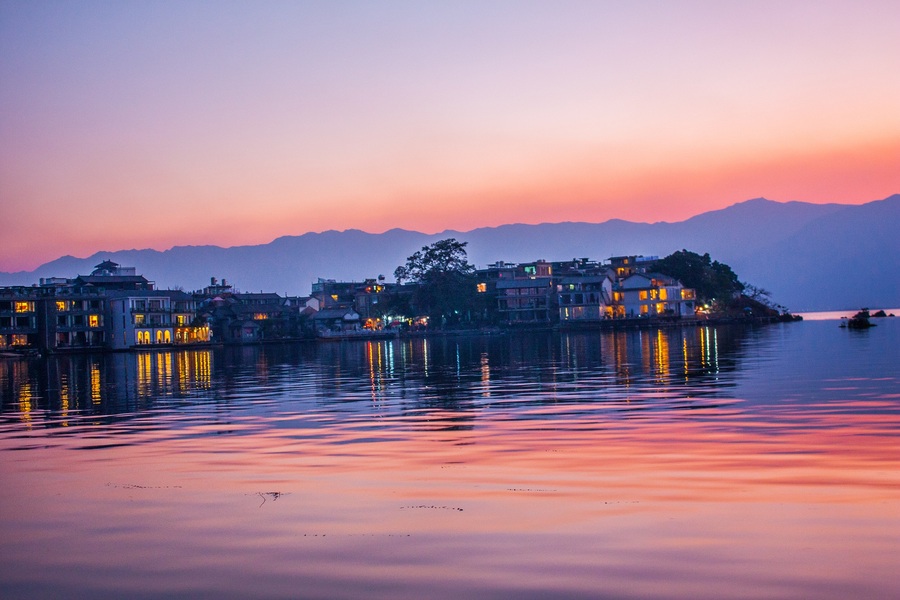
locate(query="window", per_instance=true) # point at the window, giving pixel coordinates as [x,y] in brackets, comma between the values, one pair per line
[642,294]
[22,307]
[138,319]
[482,288]
[94,320]
[663,294]
[60,305]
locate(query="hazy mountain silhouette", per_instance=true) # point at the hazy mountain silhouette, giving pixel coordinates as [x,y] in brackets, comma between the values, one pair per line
[810,256]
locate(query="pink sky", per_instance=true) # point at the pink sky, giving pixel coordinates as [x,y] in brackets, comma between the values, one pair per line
[153,125]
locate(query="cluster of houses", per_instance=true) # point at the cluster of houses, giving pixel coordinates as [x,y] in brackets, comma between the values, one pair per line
[114,308]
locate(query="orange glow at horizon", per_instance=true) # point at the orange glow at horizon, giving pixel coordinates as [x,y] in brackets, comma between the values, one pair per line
[429,119]
[666,193]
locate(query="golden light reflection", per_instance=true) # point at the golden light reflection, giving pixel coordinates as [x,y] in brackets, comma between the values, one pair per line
[96,395]
[485,375]
[164,369]
[202,360]
[182,367]
[24,392]
[64,399]
[662,354]
[144,374]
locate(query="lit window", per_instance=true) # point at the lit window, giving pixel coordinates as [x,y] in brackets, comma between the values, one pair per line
[642,294]
[260,317]
[482,288]
[60,305]
[138,319]
[24,307]
[94,320]
[663,294]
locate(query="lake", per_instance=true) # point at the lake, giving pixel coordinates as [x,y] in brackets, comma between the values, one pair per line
[694,462]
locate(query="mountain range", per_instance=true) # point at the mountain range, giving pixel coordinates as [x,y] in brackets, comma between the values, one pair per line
[809,256]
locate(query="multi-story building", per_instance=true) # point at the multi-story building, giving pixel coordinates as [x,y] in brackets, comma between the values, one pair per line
[19,318]
[585,298]
[153,317]
[654,294]
[530,300]
[73,320]
[626,266]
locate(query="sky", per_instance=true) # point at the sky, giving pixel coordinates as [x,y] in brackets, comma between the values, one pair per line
[152,124]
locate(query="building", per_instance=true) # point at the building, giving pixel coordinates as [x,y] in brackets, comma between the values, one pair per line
[526,300]
[654,294]
[142,318]
[585,298]
[19,318]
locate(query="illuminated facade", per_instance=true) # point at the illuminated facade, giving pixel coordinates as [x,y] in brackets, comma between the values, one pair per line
[152,318]
[655,295]
[19,318]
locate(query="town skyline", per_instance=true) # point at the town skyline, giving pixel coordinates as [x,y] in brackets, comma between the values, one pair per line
[228,124]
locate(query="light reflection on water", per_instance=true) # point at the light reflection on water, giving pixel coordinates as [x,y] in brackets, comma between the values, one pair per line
[697,462]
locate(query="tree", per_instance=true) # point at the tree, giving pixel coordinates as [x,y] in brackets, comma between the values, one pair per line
[445,280]
[711,279]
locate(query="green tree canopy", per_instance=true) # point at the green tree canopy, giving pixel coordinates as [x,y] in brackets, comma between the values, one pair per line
[711,279]
[445,279]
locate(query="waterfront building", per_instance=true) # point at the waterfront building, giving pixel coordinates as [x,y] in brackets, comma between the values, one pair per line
[18,318]
[585,298]
[141,318]
[654,294]
[528,300]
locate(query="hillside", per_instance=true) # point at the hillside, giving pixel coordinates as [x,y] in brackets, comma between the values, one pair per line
[812,257]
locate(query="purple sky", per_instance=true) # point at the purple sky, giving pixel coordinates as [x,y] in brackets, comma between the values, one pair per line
[129,124]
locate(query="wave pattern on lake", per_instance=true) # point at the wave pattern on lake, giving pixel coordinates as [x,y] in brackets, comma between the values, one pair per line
[696,462]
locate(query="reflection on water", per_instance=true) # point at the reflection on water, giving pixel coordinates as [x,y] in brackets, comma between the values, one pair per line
[706,462]
[466,374]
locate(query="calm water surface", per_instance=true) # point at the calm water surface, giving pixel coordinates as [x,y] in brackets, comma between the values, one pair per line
[688,463]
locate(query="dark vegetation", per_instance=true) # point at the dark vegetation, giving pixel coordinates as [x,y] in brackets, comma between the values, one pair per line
[444,286]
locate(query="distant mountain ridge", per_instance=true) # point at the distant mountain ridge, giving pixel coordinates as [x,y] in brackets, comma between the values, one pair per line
[810,256]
